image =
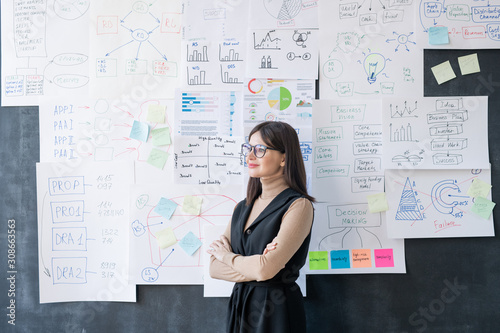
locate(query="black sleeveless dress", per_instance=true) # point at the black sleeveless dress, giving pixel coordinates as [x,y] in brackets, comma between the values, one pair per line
[275,305]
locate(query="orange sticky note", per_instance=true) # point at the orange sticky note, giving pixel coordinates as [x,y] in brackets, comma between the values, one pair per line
[361,258]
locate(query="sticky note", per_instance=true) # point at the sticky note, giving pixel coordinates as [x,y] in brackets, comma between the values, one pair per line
[160,136]
[469,64]
[165,208]
[377,203]
[318,260]
[478,188]
[139,131]
[383,257]
[190,243]
[157,158]
[156,113]
[192,205]
[340,259]
[361,258]
[165,238]
[438,35]
[443,72]
[482,207]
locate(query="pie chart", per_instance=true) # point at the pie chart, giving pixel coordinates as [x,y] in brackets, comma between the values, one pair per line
[279,98]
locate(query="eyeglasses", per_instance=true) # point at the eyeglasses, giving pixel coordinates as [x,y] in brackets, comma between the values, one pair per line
[258,150]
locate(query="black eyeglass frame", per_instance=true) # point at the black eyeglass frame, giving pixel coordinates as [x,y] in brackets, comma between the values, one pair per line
[253,148]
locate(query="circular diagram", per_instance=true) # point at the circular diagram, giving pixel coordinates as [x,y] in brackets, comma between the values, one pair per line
[279,98]
[283,9]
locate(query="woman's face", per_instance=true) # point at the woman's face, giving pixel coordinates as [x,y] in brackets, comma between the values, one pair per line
[270,165]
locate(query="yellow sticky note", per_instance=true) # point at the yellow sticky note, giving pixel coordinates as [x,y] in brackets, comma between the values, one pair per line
[478,188]
[482,207]
[165,238]
[469,64]
[443,72]
[157,158]
[160,136]
[377,203]
[156,113]
[192,205]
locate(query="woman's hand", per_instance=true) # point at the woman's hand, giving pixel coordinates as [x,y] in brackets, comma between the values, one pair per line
[219,248]
[270,247]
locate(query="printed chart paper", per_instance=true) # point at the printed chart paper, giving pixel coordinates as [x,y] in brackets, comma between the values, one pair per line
[348,239]
[369,48]
[45,50]
[83,234]
[347,150]
[471,24]
[435,203]
[151,264]
[435,132]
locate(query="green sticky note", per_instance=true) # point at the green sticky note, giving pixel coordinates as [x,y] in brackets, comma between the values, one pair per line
[165,238]
[469,64]
[161,136]
[156,113]
[377,203]
[157,158]
[192,205]
[318,260]
[443,72]
[482,207]
[478,188]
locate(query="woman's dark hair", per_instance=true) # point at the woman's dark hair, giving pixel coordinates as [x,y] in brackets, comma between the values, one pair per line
[282,137]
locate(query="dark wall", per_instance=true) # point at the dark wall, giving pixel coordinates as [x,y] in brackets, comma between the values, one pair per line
[451,285]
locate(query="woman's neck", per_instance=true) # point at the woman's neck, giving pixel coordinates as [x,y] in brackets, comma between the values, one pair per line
[272,186]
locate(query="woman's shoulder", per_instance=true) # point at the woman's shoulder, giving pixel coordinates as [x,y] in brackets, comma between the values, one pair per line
[302,203]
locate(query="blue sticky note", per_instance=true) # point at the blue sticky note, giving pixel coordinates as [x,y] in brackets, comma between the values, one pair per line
[190,243]
[140,131]
[340,259]
[165,208]
[438,35]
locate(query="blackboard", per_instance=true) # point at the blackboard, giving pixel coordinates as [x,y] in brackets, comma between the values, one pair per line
[451,285]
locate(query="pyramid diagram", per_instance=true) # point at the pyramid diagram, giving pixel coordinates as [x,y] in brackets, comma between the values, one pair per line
[408,207]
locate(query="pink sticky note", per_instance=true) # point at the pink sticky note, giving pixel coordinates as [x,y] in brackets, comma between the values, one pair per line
[384,258]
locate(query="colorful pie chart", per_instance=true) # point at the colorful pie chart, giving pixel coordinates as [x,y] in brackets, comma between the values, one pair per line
[279,98]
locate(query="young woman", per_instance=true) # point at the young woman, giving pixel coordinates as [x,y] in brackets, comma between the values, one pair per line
[266,243]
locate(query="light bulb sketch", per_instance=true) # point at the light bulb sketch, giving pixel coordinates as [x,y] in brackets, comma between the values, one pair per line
[374,64]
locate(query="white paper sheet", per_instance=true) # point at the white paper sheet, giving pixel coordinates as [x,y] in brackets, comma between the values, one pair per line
[76,129]
[208,160]
[435,132]
[214,287]
[282,54]
[209,113]
[83,234]
[434,203]
[135,48]
[348,239]
[471,24]
[369,48]
[45,50]
[347,150]
[152,265]
[276,14]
